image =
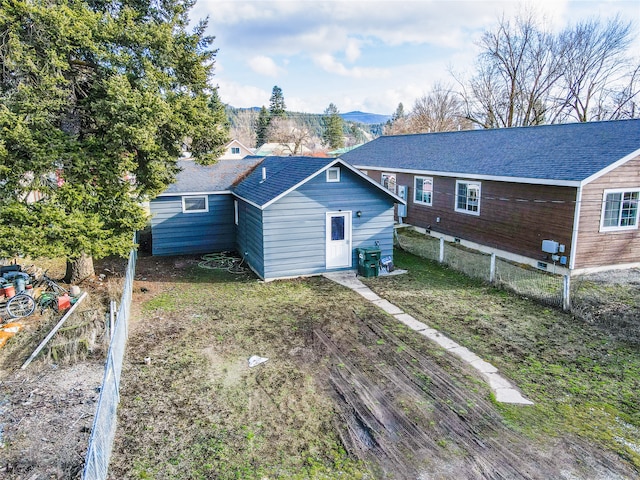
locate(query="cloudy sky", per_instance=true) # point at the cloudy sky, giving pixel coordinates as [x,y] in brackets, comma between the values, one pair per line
[362,55]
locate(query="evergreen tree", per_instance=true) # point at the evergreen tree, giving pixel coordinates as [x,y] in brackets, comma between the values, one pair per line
[221,121]
[277,107]
[333,135]
[96,100]
[262,127]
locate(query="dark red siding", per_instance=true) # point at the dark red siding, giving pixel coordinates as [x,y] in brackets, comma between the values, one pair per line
[513,217]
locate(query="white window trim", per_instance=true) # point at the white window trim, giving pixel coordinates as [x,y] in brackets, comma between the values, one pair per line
[455,197]
[235,150]
[206,204]
[335,170]
[395,180]
[415,190]
[604,204]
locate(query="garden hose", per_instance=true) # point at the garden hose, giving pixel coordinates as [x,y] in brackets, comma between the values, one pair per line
[222,261]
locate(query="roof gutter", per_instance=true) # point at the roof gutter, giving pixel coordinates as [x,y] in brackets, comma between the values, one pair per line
[497,178]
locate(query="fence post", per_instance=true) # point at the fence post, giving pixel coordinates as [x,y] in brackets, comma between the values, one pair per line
[492,269]
[441,255]
[566,293]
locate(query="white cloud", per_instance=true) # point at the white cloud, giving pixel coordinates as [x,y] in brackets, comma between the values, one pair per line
[264,65]
[362,55]
[242,95]
[352,50]
[329,64]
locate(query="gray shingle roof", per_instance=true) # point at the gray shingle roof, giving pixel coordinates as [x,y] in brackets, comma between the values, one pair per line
[282,174]
[566,153]
[215,178]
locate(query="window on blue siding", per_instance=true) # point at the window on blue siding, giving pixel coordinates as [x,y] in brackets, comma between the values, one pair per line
[337,228]
[333,174]
[620,210]
[195,204]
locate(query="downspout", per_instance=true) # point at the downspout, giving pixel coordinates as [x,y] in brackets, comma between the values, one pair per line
[574,234]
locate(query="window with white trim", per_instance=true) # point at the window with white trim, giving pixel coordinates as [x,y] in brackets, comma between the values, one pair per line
[468,197]
[235,150]
[333,174]
[195,204]
[423,190]
[388,181]
[620,210]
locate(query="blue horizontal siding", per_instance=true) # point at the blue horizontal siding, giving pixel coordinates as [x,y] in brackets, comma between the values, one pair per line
[294,227]
[249,236]
[177,233]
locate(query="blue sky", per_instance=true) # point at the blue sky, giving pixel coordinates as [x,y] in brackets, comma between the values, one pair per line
[363,55]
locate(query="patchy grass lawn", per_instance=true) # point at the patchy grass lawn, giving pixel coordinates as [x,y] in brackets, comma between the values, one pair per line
[348,392]
[584,380]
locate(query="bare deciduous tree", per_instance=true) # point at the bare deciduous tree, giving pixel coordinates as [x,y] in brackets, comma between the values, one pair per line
[441,110]
[527,75]
[244,129]
[515,74]
[594,64]
[295,137]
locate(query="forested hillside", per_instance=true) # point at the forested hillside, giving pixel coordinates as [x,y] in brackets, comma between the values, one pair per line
[244,125]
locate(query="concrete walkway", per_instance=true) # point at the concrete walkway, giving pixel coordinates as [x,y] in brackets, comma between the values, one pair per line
[504,391]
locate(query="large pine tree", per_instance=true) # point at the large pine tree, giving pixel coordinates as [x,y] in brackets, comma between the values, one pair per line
[96,101]
[333,135]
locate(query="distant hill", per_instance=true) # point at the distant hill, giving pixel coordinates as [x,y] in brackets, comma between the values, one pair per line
[365,118]
[369,124]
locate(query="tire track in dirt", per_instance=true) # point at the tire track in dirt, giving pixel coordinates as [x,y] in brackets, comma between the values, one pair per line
[404,413]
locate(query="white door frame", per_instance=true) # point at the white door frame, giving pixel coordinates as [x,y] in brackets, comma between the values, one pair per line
[338,252]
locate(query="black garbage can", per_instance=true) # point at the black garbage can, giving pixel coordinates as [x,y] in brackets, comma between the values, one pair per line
[368,261]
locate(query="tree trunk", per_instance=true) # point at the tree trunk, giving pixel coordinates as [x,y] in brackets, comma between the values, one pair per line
[79,269]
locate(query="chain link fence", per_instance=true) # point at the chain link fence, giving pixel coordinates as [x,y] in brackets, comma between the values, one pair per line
[608,300]
[104,422]
[542,286]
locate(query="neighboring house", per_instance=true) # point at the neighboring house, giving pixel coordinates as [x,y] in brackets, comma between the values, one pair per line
[287,216]
[508,190]
[281,149]
[235,150]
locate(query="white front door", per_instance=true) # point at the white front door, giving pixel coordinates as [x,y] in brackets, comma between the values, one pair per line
[338,239]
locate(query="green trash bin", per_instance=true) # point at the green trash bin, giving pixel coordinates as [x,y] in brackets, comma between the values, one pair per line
[368,261]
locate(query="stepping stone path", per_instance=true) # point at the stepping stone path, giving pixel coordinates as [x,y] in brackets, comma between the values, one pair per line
[503,389]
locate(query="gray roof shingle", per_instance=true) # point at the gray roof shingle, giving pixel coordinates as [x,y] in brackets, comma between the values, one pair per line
[214,178]
[282,174]
[565,153]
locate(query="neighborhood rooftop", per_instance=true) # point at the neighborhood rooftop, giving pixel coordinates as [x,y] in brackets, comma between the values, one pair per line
[568,153]
[195,178]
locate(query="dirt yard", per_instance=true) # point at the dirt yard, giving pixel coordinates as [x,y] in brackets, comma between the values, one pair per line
[346,392]
[47,409]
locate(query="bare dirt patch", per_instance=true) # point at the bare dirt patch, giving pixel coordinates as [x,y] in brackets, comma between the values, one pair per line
[47,410]
[347,392]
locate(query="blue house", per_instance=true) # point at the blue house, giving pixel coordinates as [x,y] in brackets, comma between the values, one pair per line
[195,214]
[287,216]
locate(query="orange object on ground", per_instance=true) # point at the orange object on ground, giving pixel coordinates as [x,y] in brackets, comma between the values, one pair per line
[9,291]
[64,302]
[7,331]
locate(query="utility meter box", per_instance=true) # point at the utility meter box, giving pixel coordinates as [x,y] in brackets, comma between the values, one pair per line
[368,261]
[550,246]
